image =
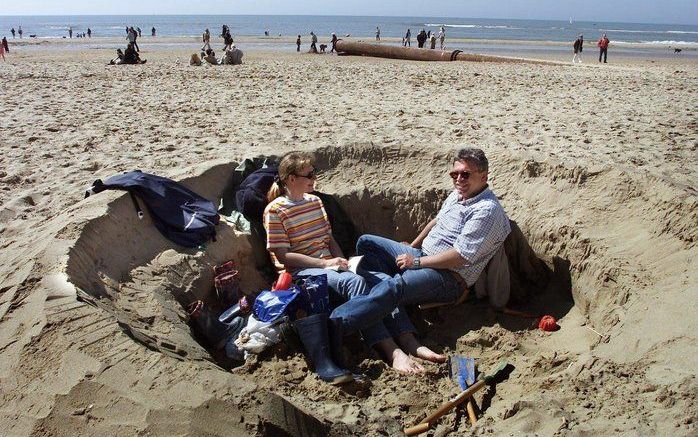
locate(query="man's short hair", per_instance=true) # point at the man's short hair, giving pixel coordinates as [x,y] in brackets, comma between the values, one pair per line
[474,156]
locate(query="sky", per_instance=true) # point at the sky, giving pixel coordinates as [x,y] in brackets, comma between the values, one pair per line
[636,11]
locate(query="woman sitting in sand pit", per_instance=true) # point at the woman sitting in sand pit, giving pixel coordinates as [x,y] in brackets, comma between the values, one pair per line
[299,239]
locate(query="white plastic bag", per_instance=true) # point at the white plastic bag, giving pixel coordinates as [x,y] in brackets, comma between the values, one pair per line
[257,336]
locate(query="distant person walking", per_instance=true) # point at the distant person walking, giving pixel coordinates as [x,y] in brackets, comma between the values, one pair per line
[408,37]
[206,37]
[20,31]
[603,47]
[313,42]
[228,40]
[132,37]
[378,34]
[89,32]
[421,38]
[334,43]
[578,47]
[152,31]
[138,29]
[2,49]
[298,43]
[442,36]
[70,32]
[12,31]
[4,45]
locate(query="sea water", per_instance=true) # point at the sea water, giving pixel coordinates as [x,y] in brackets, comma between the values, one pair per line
[396,27]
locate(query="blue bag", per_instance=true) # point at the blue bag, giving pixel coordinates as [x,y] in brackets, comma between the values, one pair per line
[315,294]
[271,305]
[181,215]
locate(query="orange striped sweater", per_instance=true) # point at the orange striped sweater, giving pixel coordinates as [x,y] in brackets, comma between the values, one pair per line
[301,227]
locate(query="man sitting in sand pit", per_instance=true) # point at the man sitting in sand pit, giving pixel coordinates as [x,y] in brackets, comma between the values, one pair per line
[444,261]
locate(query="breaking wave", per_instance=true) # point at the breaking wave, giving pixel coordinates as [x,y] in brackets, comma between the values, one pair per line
[470,26]
[660,43]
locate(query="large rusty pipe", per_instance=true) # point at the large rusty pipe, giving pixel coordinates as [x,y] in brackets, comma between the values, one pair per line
[416,54]
[392,52]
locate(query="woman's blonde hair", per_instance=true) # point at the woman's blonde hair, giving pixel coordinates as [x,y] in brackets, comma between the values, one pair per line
[291,164]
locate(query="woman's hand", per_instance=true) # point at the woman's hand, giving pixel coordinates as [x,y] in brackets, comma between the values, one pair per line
[338,261]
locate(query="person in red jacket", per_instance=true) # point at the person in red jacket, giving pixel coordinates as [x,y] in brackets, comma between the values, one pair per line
[603,47]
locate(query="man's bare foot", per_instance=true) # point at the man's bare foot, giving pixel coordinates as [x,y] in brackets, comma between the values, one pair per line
[398,359]
[412,346]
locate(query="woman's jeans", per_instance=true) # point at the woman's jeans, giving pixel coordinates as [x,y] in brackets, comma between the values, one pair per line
[347,287]
[392,287]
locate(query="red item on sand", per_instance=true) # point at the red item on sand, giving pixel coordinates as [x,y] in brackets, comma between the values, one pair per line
[548,323]
[283,282]
[224,268]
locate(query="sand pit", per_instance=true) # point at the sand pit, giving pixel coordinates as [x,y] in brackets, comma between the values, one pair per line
[141,283]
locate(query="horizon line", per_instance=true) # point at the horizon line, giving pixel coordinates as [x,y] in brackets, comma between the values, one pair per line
[338,15]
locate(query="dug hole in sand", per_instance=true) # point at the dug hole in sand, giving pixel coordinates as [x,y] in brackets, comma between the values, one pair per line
[130,364]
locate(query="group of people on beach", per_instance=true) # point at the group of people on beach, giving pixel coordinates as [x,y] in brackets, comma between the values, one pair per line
[422,37]
[231,54]
[578,47]
[131,55]
[314,43]
[440,266]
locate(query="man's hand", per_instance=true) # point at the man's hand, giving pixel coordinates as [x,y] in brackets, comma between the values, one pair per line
[405,261]
[338,261]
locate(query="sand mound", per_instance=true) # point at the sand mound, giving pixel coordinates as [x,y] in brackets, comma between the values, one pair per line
[589,267]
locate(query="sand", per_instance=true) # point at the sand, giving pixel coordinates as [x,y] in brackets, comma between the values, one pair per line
[595,164]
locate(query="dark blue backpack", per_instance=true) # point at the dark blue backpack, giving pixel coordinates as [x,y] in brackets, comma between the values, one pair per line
[251,195]
[181,215]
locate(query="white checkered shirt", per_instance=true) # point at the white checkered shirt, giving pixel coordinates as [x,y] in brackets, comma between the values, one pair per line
[475,227]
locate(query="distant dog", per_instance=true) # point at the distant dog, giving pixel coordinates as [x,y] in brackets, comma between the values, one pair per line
[322,48]
[677,50]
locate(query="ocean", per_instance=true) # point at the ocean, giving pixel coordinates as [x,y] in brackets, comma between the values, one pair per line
[252,25]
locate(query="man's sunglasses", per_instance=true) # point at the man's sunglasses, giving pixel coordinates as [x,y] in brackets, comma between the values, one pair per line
[311,175]
[457,174]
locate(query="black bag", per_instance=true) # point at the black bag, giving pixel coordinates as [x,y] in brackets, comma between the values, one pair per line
[251,196]
[181,215]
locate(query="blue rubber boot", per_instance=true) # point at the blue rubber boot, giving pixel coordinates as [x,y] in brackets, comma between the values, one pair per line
[313,333]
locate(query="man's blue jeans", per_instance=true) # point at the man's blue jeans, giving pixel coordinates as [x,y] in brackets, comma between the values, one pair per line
[347,286]
[393,287]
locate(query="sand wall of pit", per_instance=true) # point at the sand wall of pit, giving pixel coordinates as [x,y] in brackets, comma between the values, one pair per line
[129,267]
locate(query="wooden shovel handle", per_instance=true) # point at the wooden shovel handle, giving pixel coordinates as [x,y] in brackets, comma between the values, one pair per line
[471,411]
[451,404]
[444,408]
[417,429]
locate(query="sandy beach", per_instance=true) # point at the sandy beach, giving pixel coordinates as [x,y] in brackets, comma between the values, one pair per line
[595,163]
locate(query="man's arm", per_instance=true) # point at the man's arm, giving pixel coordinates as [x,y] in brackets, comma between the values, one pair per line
[417,243]
[449,259]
